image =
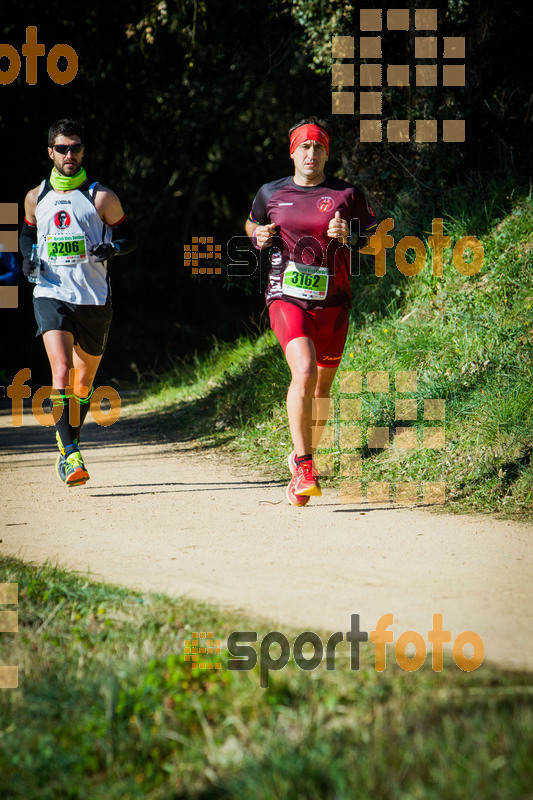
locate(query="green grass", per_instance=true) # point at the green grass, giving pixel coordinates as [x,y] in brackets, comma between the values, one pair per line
[469,339]
[108,708]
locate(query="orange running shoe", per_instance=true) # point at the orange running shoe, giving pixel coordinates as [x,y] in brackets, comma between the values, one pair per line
[304,481]
[292,462]
[293,498]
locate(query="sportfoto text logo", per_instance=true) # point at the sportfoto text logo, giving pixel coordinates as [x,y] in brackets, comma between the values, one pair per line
[374,75]
[467,253]
[18,389]
[246,657]
[31,51]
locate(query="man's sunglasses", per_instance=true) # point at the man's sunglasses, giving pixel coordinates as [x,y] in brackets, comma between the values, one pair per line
[64,148]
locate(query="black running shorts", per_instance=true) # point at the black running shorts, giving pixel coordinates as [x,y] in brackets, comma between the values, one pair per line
[88,324]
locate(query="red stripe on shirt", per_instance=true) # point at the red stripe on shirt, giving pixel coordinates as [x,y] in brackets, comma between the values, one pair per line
[114,225]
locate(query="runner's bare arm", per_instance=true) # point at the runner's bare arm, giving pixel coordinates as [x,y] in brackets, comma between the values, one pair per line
[30,204]
[108,205]
[28,234]
[124,235]
[250,227]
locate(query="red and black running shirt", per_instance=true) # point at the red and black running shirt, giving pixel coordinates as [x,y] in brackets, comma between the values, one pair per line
[303,214]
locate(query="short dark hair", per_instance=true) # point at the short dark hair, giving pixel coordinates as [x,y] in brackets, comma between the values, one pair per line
[311,121]
[64,127]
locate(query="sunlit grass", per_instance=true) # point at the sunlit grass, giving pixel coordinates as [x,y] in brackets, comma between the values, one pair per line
[469,339]
[108,708]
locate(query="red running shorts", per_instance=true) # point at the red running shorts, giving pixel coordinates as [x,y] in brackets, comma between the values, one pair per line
[326,327]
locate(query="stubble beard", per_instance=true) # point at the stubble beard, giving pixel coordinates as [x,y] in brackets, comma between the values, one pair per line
[68,173]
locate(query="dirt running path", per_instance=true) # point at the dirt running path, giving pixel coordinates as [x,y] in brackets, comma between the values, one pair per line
[182,522]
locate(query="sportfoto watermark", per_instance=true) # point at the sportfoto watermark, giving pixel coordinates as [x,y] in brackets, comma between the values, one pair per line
[380,241]
[247,262]
[31,50]
[198,646]
[9,623]
[374,75]
[17,390]
[245,657]
[340,435]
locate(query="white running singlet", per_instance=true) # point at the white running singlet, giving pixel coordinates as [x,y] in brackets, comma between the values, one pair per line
[67,226]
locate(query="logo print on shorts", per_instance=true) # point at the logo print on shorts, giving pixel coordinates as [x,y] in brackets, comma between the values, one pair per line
[325,204]
[62,219]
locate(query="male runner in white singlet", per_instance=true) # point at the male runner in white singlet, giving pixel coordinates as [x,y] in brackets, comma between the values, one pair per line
[78,225]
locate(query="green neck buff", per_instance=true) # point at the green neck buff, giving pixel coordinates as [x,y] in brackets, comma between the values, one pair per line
[64,183]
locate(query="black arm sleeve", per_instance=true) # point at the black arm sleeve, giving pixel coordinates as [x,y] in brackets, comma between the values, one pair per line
[28,237]
[124,236]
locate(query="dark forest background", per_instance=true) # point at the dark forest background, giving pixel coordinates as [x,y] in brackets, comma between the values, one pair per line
[187,104]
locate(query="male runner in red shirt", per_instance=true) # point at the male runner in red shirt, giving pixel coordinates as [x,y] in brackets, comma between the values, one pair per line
[305,219]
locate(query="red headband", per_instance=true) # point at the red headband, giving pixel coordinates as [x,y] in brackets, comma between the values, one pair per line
[309,132]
